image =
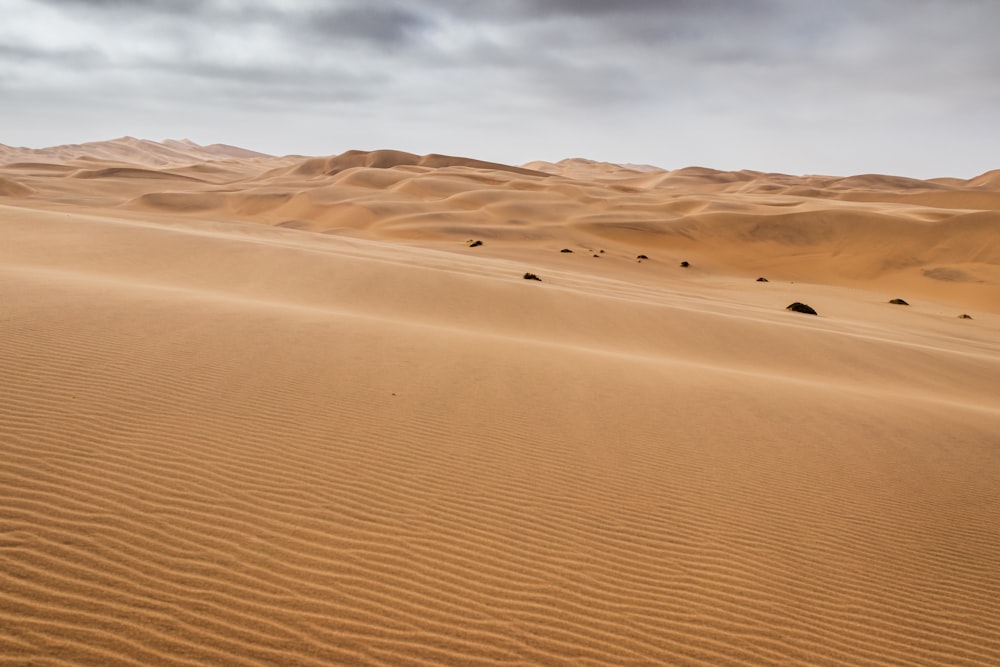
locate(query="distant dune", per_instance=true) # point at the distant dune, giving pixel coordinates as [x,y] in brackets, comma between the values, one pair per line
[308,410]
[131,150]
[388,159]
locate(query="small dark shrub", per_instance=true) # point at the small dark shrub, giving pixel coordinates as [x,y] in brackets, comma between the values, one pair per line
[531,276]
[801,308]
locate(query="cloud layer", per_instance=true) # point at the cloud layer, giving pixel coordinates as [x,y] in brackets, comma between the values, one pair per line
[903,86]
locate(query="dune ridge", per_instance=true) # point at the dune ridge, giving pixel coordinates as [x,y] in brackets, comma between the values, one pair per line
[254,413]
[869,230]
[131,150]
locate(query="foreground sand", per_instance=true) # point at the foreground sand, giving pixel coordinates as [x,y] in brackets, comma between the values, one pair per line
[275,411]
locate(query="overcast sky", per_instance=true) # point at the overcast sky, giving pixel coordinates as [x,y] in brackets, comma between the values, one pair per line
[909,87]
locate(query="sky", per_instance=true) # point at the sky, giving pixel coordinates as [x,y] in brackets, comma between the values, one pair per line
[906,87]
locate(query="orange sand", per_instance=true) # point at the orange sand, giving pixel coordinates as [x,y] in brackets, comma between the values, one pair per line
[261,411]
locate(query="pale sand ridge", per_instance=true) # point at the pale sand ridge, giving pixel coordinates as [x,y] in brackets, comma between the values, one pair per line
[131,150]
[256,412]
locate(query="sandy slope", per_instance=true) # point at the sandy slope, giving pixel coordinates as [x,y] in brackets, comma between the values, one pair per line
[277,412]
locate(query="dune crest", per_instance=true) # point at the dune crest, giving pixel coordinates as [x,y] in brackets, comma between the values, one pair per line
[130,150]
[388,159]
[316,410]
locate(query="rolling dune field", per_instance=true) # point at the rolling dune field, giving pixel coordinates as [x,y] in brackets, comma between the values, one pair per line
[263,411]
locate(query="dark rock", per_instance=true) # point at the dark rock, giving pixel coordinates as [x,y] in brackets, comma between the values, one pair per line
[565,250]
[762,279]
[531,276]
[898,302]
[685,264]
[801,308]
[642,257]
[475,244]
[965,316]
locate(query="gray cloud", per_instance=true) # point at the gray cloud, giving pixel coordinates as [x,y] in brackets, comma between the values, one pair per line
[733,83]
[133,6]
[79,58]
[530,10]
[385,25]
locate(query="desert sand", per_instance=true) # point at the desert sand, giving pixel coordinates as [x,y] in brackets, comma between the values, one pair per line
[261,410]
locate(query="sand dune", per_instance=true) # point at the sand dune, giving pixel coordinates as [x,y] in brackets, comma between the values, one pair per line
[11,188]
[387,159]
[130,150]
[278,411]
[129,172]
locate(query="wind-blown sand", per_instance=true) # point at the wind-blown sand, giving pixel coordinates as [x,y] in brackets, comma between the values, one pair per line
[265,411]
